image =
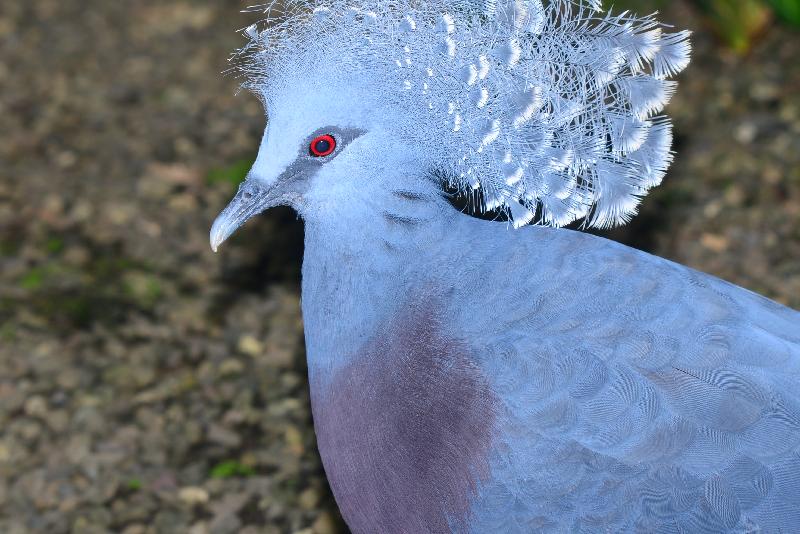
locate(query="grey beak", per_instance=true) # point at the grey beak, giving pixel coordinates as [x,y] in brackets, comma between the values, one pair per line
[252,198]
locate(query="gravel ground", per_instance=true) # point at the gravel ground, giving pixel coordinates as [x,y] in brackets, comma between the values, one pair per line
[148,385]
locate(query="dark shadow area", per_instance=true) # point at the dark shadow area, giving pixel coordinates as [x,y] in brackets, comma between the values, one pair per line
[269,251]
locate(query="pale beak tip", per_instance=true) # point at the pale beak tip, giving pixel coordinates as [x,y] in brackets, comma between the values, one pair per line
[251,199]
[218,234]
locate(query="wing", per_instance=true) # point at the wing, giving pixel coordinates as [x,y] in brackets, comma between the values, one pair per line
[640,393]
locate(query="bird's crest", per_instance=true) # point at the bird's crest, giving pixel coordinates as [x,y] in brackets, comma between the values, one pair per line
[548,111]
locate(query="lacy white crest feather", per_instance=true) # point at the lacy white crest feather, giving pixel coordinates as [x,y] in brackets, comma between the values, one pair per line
[548,112]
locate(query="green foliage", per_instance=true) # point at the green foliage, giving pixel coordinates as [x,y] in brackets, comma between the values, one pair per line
[9,247]
[736,22]
[33,279]
[54,245]
[232,174]
[142,287]
[231,469]
[788,10]
[69,296]
[8,333]
[134,484]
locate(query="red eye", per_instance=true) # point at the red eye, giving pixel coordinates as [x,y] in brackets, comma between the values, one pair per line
[322,146]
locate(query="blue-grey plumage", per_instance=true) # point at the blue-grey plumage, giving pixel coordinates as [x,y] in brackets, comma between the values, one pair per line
[467,376]
[625,392]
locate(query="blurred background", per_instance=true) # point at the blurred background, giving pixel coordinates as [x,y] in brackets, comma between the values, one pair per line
[148,385]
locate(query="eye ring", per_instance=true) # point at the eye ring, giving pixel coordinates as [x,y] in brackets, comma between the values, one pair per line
[322,145]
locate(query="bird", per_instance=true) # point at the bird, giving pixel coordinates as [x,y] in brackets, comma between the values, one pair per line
[477,361]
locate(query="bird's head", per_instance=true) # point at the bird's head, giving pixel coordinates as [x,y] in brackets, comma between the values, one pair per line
[545,112]
[319,155]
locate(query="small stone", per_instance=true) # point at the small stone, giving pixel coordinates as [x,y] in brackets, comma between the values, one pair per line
[772,175]
[734,196]
[53,206]
[78,448]
[324,524]
[82,211]
[68,504]
[231,366]
[183,203]
[58,420]
[169,521]
[309,498]
[250,346]
[36,406]
[29,430]
[290,380]
[223,436]
[279,354]
[227,524]
[193,495]
[712,209]
[764,92]
[284,407]
[67,159]
[746,133]
[294,440]
[120,213]
[226,519]
[713,242]
[77,255]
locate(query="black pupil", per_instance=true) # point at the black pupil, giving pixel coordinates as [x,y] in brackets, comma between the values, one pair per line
[322,145]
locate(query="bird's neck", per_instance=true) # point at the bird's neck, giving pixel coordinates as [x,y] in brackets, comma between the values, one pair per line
[398,400]
[358,265]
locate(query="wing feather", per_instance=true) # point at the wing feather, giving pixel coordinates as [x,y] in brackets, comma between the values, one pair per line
[681,391]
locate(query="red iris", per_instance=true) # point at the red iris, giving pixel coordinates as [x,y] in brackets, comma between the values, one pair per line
[322,145]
